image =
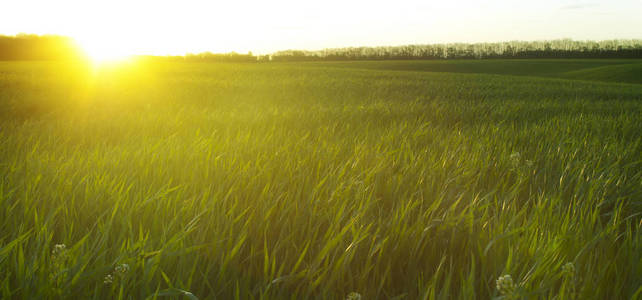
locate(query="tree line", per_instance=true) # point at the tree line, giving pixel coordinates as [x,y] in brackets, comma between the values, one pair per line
[52,47]
[564,48]
[38,47]
[206,57]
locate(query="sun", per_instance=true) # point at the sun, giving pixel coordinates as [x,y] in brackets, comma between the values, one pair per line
[102,50]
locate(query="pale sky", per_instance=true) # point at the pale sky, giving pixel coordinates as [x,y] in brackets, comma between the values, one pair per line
[177,27]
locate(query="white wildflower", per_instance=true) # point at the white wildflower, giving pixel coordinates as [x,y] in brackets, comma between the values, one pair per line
[108,279]
[515,159]
[58,249]
[505,285]
[354,296]
[568,269]
[122,269]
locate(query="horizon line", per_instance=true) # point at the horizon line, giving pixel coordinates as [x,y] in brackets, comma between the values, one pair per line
[264,53]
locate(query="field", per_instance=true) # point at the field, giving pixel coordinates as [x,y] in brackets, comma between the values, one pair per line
[390,179]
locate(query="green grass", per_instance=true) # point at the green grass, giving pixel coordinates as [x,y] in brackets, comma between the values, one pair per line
[295,181]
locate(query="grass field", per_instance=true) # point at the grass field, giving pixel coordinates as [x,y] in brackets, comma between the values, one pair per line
[393,180]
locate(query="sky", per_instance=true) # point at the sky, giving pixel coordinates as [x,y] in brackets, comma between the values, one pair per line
[190,26]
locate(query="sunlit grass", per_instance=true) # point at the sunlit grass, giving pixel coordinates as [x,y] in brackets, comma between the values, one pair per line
[283,181]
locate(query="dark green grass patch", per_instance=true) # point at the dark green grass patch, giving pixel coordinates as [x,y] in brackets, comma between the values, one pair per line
[613,70]
[631,73]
